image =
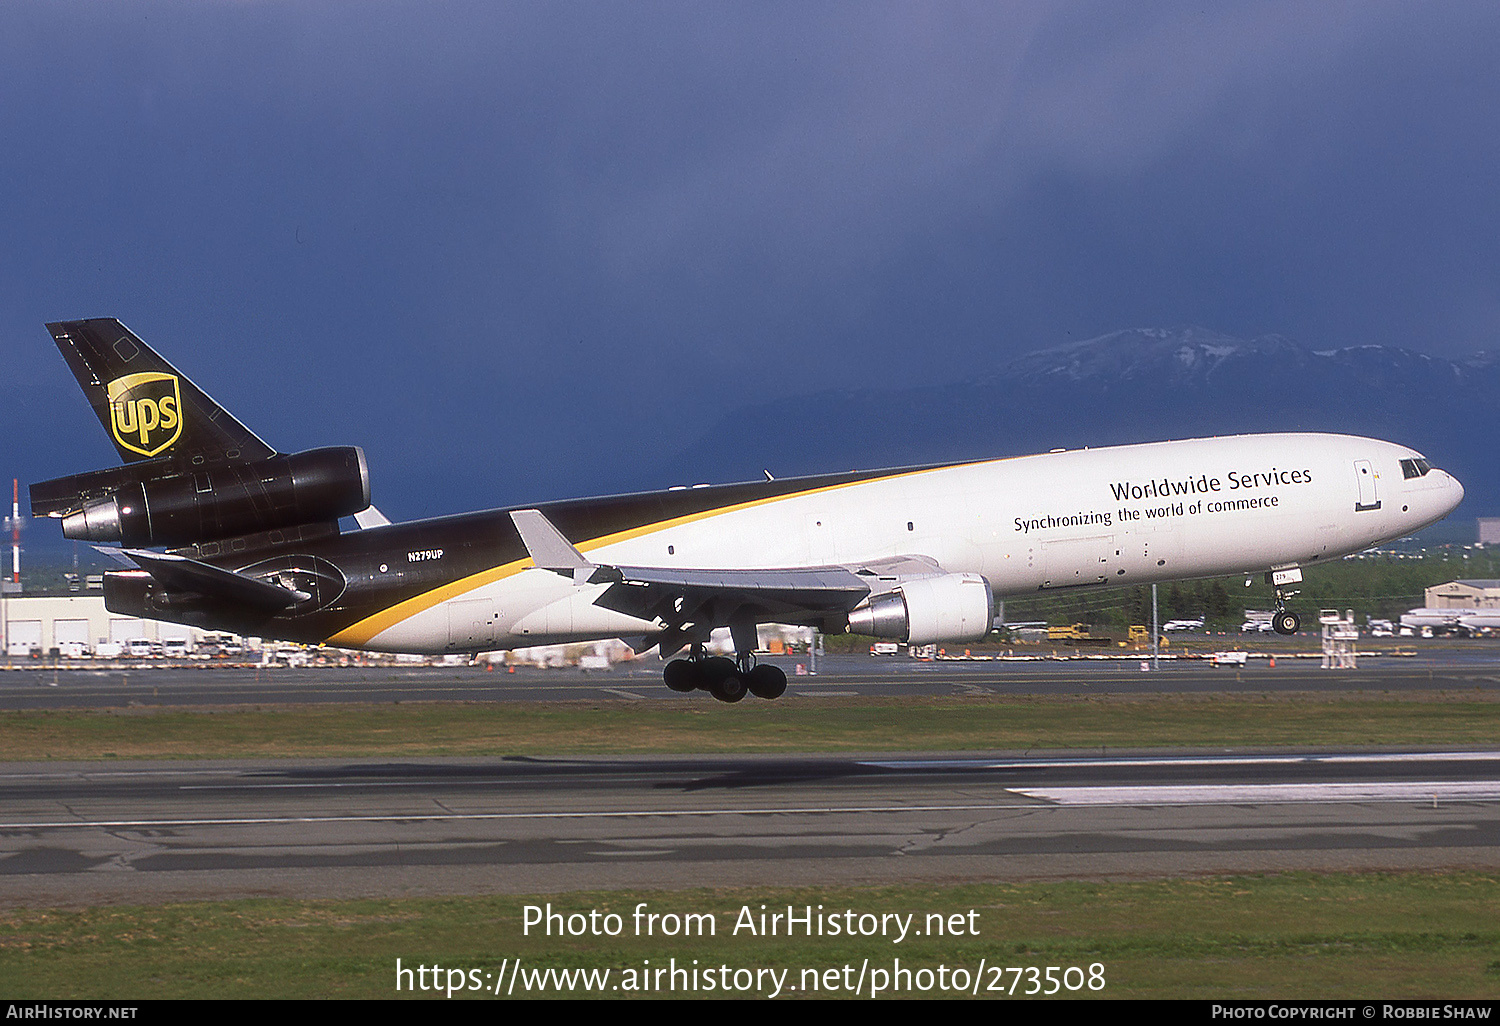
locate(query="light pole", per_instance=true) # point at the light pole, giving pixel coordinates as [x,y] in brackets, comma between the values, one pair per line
[1155,632]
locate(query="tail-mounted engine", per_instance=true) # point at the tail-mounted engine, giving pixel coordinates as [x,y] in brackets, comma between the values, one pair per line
[165,503]
[926,610]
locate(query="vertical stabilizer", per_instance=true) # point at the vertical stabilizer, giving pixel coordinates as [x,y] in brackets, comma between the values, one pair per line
[149,409]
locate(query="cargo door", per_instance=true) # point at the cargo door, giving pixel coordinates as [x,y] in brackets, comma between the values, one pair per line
[1076,562]
[471,624]
[71,632]
[122,630]
[26,633]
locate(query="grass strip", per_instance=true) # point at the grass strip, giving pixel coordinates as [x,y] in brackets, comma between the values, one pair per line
[802,725]
[1269,936]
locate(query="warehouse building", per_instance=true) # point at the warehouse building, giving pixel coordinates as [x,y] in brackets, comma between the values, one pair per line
[1469,594]
[47,622]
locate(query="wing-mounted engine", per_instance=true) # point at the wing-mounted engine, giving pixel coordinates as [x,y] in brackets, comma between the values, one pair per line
[927,610]
[174,503]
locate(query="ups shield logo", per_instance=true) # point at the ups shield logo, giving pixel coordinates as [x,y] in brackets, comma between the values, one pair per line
[145,411]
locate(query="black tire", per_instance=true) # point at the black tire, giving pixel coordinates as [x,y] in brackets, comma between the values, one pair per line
[715,668]
[1286,622]
[766,681]
[728,688]
[682,676]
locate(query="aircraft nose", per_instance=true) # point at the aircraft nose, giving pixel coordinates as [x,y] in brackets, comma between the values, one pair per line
[1455,492]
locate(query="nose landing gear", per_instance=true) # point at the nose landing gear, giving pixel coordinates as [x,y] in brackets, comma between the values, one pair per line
[1285,621]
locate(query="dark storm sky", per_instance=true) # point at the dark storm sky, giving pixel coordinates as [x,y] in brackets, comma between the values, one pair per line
[519,250]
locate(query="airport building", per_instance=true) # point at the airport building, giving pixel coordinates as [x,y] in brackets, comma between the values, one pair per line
[1470,594]
[1489,530]
[48,622]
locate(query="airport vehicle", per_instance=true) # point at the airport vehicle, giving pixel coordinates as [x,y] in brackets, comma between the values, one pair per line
[1191,624]
[227,533]
[1258,621]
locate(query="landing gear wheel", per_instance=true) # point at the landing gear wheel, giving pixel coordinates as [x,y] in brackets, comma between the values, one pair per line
[728,688]
[683,675]
[716,667]
[722,678]
[1286,622]
[766,681]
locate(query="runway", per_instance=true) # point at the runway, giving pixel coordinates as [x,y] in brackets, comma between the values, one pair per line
[89,834]
[149,686]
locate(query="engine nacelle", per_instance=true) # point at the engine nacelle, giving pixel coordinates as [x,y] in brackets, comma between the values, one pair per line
[194,505]
[952,607]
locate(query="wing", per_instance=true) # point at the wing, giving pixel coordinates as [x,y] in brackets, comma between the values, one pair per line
[691,603]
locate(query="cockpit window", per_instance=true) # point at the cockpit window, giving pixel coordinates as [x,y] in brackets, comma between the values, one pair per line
[1415,468]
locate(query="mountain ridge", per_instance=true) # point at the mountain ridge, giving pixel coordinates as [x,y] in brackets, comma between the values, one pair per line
[1133,385]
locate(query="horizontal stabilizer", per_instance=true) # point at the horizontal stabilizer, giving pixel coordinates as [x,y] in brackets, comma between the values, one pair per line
[180,573]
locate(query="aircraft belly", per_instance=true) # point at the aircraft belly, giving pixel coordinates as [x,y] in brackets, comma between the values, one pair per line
[474,620]
[573,617]
[533,607]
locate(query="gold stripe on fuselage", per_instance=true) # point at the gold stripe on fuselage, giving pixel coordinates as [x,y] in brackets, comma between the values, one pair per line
[357,635]
[361,633]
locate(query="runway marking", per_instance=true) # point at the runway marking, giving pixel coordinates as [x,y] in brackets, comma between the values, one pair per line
[622,694]
[1227,760]
[1265,794]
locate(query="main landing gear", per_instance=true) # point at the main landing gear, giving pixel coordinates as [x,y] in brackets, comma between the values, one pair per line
[728,680]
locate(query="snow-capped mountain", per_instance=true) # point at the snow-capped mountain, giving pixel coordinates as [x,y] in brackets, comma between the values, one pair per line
[1132,386]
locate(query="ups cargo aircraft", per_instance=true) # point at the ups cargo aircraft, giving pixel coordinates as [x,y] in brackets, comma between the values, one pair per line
[227,533]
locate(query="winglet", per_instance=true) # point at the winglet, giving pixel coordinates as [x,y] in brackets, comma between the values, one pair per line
[547,546]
